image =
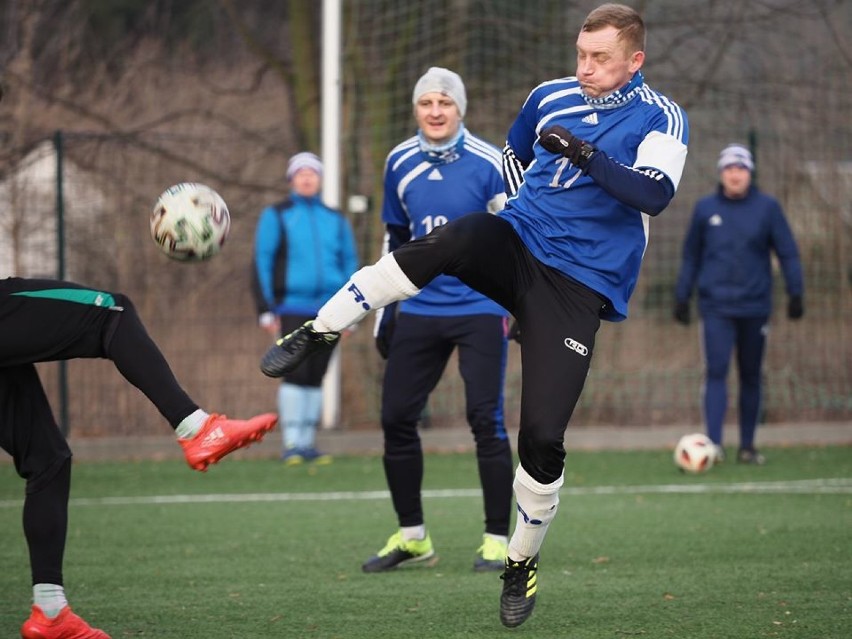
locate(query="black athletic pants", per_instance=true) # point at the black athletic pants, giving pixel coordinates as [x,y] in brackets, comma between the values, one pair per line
[50,320]
[419,351]
[557,316]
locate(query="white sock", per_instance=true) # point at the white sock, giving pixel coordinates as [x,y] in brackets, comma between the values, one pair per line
[537,504]
[50,598]
[369,289]
[190,425]
[413,532]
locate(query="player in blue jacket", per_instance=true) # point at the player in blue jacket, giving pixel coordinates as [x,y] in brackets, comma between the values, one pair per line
[588,161]
[726,253]
[303,252]
[441,174]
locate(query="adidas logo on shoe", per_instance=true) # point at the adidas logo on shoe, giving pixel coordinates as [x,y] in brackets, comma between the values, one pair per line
[520,583]
[213,437]
[220,436]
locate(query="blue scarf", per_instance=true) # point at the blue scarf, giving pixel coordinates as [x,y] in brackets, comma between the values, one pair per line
[443,153]
[619,97]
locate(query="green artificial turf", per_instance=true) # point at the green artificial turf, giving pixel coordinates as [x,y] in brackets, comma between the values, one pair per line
[254,549]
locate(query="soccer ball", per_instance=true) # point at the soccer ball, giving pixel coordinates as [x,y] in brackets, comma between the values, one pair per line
[190,222]
[695,453]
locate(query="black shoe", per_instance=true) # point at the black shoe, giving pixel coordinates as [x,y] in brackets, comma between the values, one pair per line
[520,582]
[291,350]
[750,456]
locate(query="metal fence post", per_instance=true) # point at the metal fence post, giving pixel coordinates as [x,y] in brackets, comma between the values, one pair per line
[64,426]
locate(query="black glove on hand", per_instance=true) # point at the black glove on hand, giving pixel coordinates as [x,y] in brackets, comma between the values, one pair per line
[795,307]
[681,313]
[558,139]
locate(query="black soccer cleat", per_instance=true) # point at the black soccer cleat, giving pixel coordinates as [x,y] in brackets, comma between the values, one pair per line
[520,582]
[291,350]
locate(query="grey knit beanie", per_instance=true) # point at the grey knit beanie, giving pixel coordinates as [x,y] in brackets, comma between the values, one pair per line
[735,154]
[303,160]
[444,81]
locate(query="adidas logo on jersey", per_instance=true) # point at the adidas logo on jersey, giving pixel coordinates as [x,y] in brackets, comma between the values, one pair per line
[592,118]
[435,174]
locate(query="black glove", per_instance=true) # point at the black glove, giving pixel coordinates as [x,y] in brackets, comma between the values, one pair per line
[384,332]
[681,313]
[558,139]
[514,331]
[795,307]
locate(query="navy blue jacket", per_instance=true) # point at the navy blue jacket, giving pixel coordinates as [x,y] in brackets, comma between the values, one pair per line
[727,250]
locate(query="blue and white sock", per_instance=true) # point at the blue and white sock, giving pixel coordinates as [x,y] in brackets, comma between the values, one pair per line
[537,504]
[369,289]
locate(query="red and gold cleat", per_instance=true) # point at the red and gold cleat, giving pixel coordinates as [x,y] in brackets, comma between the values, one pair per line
[66,625]
[220,436]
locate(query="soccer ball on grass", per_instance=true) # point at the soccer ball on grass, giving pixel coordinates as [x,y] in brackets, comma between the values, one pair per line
[695,453]
[190,222]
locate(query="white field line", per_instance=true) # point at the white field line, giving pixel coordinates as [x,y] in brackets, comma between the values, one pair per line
[802,487]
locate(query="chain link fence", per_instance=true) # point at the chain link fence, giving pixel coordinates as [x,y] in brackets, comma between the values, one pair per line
[734,75]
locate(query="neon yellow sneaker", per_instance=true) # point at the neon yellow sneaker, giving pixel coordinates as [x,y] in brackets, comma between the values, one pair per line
[399,552]
[491,555]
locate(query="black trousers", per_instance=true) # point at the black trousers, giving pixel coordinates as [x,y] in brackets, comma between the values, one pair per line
[51,320]
[419,352]
[557,316]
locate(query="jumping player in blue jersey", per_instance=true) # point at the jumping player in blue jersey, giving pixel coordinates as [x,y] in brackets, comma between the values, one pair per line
[588,161]
[438,175]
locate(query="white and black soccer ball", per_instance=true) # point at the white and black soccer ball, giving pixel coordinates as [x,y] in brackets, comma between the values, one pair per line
[695,453]
[190,222]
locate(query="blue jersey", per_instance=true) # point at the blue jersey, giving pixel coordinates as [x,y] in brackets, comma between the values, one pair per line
[568,219]
[726,252]
[304,252]
[422,193]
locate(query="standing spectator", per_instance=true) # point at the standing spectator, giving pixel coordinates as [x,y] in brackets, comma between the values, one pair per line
[303,252]
[441,174]
[51,320]
[726,252]
[587,161]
